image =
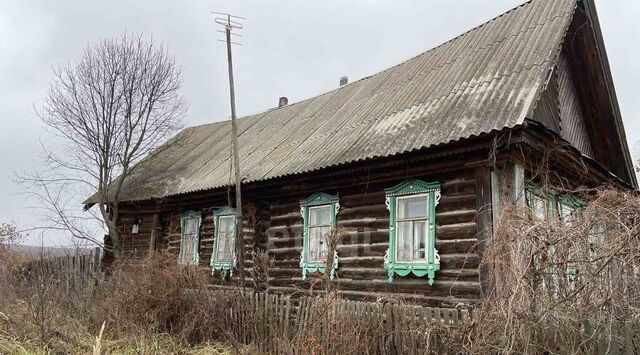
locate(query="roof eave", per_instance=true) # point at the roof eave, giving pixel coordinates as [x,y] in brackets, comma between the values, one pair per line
[590,9]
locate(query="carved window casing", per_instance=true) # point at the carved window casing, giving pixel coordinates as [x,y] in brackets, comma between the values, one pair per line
[189,238]
[319,215]
[223,257]
[412,230]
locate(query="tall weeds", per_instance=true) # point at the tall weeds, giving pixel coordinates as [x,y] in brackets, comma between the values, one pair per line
[556,287]
[560,284]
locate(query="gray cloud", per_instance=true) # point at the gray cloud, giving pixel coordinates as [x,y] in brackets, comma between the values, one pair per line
[290,48]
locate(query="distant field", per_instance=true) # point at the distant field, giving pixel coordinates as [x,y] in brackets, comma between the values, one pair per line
[34,250]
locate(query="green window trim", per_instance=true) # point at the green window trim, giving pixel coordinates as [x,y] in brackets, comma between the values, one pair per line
[224,266]
[555,202]
[418,268]
[316,200]
[195,243]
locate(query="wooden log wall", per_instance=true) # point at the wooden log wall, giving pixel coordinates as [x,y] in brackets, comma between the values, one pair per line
[273,222]
[136,244]
[361,249]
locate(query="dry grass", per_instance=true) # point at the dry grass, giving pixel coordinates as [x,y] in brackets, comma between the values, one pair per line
[142,306]
[554,284]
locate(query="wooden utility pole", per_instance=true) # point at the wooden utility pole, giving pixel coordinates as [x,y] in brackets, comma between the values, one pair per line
[230,24]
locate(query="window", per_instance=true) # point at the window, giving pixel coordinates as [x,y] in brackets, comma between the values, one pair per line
[190,236]
[223,257]
[412,232]
[320,224]
[549,205]
[319,219]
[567,212]
[411,227]
[135,229]
[539,206]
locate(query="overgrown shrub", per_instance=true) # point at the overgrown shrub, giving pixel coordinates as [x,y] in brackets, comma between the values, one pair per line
[147,295]
[561,285]
[557,287]
[139,300]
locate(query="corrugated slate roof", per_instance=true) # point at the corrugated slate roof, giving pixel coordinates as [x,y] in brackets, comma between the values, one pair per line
[485,79]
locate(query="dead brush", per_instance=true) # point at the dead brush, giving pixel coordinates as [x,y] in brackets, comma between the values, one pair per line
[38,313]
[147,296]
[332,330]
[557,284]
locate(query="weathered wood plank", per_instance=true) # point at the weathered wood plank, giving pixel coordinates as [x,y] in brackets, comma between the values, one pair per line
[484,221]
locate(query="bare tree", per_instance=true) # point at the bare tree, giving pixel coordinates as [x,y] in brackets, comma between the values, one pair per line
[110,109]
[8,235]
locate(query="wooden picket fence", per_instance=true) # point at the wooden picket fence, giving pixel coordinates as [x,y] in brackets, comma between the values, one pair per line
[272,322]
[75,271]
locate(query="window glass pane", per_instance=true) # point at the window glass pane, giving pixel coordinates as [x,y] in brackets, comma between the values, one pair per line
[419,239]
[225,247]
[220,250]
[324,245]
[567,213]
[312,251]
[413,207]
[226,224]
[187,247]
[189,232]
[403,241]
[539,208]
[220,255]
[317,244]
[320,215]
[228,247]
[190,226]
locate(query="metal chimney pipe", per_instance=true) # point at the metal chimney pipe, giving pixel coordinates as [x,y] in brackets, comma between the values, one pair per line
[283,101]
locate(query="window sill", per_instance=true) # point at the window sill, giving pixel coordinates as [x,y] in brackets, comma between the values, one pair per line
[419,269]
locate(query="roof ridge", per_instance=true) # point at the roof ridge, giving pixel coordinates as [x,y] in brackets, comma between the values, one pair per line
[484,79]
[388,68]
[499,77]
[474,85]
[419,54]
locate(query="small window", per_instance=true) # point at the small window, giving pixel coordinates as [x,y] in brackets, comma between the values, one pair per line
[412,232]
[539,206]
[567,213]
[550,205]
[190,237]
[223,257]
[412,219]
[135,229]
[320,225]
[319,220]
[224,245]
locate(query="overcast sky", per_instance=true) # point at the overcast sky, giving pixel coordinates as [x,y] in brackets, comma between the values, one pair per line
[290,48]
